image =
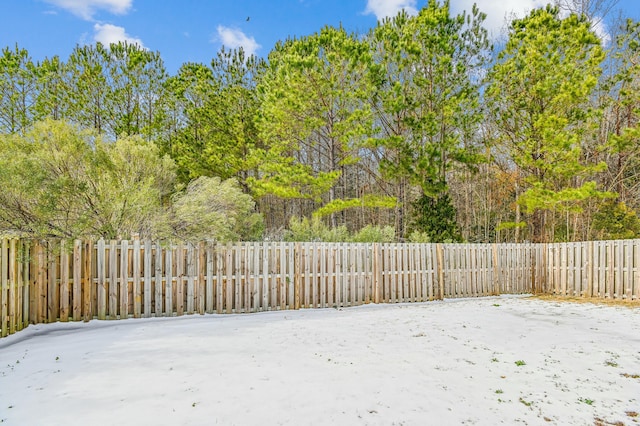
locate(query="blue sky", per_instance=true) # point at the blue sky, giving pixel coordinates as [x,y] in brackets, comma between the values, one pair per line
[194,30]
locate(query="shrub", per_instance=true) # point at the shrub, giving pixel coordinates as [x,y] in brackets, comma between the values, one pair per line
[211,209]
[615,221]
[316,230]
[374,234]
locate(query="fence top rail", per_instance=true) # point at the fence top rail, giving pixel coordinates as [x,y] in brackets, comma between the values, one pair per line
[210,243]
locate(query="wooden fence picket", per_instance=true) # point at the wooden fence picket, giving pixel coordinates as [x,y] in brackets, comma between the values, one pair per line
[137,290]
[178,256]
[4,289]
[52,297]
[628,270]
[113,279]
[209,298]
[123,288]
[22,308]
[14,289]
[158,282]
[76,312]
[635,294]
[64,282]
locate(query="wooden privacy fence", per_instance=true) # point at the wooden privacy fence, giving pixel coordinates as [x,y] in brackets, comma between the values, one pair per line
[47,281]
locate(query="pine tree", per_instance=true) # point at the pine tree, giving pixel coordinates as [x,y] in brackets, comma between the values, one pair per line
[539,94]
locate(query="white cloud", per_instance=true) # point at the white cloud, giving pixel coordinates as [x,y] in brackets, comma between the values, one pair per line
[389,8]
[107,34]
[601,30]
[234,38]
[85,9]
[499,13]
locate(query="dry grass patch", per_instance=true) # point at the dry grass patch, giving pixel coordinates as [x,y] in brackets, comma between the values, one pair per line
[601,422]
[629,303]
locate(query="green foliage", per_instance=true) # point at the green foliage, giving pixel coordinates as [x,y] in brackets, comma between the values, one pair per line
[510,225]
[316,230]
[427,98]
[116,90]
[426,92]
[53,89]
[127,184]
[615,221]
[281,175]
[419,237]
[313,119]
[587,401]
[334,125]
[210,209]
[374,234]
[622,101]
[219,105]
[435,218]
[64,182]
[18,78]
[367,201]
[625,89]
[60,181]
[525,402]
[136,79]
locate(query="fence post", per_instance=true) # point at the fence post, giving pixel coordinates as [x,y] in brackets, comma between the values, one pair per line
[377,273]
[547,270]
[440,267]
[297,276]
[496,270]
[39,295]
[26,256]
[202,270]
[589,269]
[158,280]
[64,282]
[13,286]
[112,267]
[77,280]
[88,289]
[636,275]
[51,289]
[102,285]
[124,280]
[534,265]
[4,289]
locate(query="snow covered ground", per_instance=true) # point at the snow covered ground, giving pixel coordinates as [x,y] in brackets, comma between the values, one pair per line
[503,360]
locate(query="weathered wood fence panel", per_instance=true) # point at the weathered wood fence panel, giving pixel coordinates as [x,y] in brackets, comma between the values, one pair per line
[47,281]
[605,269]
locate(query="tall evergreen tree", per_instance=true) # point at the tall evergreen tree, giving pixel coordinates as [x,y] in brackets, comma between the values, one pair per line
[18,90]
[621,122]
[314,119]
[539,92]
[217,104]
[427,103]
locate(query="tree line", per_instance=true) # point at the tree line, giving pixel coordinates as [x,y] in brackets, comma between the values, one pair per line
[419,130]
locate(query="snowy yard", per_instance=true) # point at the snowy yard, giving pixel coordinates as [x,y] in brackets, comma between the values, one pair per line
[468,361]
